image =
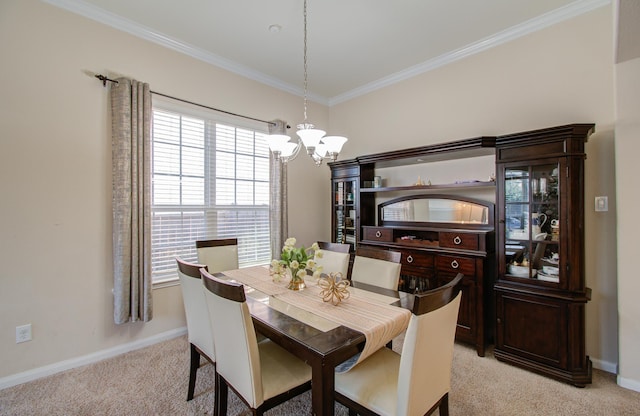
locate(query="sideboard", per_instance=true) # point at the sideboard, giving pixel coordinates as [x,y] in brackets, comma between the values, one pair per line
[434,248]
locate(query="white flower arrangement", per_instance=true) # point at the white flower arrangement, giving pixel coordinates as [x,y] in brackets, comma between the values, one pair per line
[296,259]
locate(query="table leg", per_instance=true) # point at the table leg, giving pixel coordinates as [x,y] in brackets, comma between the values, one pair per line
[322,388]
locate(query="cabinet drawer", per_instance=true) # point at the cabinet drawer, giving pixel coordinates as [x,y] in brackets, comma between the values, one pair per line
[456,264]
[459,240]
[378,234]
[415,258]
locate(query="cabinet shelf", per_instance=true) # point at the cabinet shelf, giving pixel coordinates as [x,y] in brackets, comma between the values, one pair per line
[459,185]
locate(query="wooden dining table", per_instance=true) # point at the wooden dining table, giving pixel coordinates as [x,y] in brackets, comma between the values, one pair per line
[318,341]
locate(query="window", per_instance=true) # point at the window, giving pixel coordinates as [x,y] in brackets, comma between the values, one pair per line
[210,180]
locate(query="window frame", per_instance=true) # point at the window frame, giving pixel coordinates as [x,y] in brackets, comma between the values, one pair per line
[211,118]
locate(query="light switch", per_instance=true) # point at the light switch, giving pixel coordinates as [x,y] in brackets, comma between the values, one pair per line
[602,203]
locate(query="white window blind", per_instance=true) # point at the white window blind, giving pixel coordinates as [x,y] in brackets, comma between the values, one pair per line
[210,180]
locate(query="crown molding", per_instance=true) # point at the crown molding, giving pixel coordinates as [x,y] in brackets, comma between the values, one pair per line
[569,11]
[118,22]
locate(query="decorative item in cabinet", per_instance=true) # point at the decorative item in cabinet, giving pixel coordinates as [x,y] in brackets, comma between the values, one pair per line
[540,246]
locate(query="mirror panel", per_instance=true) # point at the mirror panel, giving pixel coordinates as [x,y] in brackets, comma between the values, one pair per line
[435,210]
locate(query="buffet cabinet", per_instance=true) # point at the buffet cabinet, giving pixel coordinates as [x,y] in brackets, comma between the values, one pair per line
[540,290]
[434,249]
[433,256]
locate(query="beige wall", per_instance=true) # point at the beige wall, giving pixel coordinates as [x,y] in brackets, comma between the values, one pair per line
[56,246]
[55,160]
[560,75]
[627,151]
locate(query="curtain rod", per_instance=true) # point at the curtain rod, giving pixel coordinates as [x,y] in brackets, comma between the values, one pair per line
[104,80]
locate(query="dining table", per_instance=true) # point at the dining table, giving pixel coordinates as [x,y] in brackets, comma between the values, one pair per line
[329,337]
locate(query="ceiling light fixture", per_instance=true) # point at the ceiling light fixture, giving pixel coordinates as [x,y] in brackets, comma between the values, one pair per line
[318,145]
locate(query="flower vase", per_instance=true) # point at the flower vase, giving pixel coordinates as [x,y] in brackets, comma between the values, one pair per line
[296,282]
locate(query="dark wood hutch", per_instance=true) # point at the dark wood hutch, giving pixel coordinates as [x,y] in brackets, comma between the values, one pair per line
[540,289]
[433,252]
[536,322]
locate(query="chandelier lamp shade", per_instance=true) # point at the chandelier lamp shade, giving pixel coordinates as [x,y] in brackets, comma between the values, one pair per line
[318,145]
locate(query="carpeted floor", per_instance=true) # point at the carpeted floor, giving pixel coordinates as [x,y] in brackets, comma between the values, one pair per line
[153,381]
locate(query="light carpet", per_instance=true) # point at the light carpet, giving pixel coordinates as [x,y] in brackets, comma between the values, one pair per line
[153,381]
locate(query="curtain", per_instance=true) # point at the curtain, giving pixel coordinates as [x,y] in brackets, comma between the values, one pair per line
[278,200]
[131,169]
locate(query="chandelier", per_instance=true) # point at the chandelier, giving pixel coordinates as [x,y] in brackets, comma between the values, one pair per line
[318,145]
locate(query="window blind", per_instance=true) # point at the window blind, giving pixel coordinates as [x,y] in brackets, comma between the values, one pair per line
[210,180]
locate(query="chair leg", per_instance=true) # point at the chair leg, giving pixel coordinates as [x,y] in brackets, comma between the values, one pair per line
[220,400]
[444,405]
[193,370]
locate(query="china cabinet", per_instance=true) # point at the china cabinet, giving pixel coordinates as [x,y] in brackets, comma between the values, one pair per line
[346,201]
[540,289]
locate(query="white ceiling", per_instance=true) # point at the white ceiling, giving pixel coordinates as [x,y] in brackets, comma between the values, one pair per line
[354,46]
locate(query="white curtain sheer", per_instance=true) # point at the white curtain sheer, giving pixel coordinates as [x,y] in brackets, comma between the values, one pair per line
[131,169]
[278,200]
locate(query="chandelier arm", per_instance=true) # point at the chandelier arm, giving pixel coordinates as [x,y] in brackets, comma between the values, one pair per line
[294,154]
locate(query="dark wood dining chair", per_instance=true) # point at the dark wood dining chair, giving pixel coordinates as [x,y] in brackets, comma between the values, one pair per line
[335,258]
[198,325]
[416,382]
[218,254]
[377,267]
[336,247]
[263,375]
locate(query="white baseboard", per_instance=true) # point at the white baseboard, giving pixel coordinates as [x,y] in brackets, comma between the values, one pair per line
[628,383]
[605,366]
[36,373]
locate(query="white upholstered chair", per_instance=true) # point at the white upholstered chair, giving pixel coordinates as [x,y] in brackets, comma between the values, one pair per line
[198,325]
[263,374]
[218,255]
[377,267]
[335,258]
[418,381]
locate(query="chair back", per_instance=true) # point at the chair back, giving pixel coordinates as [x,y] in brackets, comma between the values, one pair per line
[377,267]
[238,357]
[195,307]
[218,255]
[427,353]
[337,247]
[335,258]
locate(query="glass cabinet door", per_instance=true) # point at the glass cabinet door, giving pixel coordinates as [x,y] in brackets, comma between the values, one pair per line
[344,211]
[532,224]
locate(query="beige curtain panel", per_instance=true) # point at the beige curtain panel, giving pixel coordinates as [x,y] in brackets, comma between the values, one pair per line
[131,153]
[278,200]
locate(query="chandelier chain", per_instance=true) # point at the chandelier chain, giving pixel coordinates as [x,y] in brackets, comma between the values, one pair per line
[305,61]
[318,145]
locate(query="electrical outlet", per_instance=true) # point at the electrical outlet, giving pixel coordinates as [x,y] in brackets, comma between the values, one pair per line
[23,333]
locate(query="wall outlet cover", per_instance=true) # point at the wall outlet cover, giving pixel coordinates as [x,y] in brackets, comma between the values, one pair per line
[602,204]
[23,333]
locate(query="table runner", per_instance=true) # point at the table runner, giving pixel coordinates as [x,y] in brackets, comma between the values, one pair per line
[373,316]
[258,278]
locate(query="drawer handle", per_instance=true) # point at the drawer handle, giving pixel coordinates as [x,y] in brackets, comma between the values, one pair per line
[378,234]
[455,264]
[409,259]
[457,240]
